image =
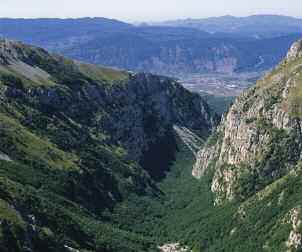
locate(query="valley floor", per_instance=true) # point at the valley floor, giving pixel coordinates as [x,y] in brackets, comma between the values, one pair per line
[184,213]
[221,84]
[171,217]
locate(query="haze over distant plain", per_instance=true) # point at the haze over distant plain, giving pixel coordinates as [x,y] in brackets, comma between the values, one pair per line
[155,10]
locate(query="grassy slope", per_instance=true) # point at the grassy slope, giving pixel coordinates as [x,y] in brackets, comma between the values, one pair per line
[56,187]
[65,175]
[40,181]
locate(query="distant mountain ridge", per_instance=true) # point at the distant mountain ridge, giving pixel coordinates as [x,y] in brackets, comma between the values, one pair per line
[52,30]
[157,49]
[258,26]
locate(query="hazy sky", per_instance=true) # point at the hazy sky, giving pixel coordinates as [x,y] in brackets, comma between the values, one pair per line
[140,10]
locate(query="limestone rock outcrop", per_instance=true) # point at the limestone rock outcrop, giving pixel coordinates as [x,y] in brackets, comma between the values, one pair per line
[259,139]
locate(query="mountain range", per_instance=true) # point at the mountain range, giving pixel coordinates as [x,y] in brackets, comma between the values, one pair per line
[172,50]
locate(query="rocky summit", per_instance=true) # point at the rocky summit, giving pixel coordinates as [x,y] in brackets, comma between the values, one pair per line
[295,51]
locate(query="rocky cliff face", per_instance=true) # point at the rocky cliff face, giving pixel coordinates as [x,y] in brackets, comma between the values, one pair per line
[259,139]
[169,59]
[184,54]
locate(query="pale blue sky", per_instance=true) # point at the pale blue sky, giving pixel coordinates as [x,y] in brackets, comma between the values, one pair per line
[147,10]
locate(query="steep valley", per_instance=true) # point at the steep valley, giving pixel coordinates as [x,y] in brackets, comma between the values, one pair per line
[247,195]
[97,159]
